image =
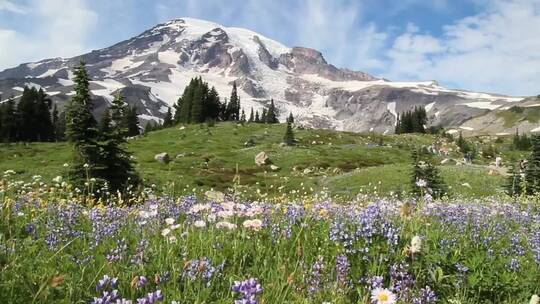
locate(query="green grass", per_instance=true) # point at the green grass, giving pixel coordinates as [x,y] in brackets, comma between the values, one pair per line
[342,163]
[515,114]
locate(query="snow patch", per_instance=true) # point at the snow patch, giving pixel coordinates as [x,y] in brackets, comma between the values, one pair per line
[466,128]
[429,106]
[481,105]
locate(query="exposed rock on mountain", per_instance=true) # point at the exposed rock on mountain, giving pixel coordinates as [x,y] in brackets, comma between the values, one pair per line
[153,68]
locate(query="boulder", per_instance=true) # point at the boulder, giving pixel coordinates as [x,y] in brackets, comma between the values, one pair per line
[162,158]
[274,168]
[307,171]
[262,159]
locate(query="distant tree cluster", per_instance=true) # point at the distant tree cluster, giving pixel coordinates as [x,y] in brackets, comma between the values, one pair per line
[521,142]
[199,103]
[524,178]
[412,121]
[33,118]
[268,116]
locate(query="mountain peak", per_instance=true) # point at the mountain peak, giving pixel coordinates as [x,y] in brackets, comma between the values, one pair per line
[153,68]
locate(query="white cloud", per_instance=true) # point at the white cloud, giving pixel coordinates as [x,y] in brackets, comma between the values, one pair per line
[6,5]
[497,50]
[60,29]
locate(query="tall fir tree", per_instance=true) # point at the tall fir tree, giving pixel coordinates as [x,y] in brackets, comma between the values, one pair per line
[9,131]
[532,172]
[515,182]
[263,115]
[290,119]
[82,131]
[257,118]
[118,167]
[251,116]
[288,138]
[198,103]
[243,116]
[271,115]
[233,107]
[104,124]
[131,121]
[168,119]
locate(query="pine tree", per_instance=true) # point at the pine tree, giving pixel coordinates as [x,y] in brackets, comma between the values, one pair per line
[251,116]
[54,121]
[168,120]
[515,182]
[233,107]
[425,178]
[243,116]
[263,115]
[197,105]
[104,125]
[271,115]
[184,115]
[290,119]
[60,127]
[532,173]
[8,133]
[117,166]
[45,131]
[257,118]
[131,121]
[288,138]
[213,106]
[82,131]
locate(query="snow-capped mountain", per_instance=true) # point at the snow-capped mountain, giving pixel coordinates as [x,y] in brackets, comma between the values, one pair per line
[153,68]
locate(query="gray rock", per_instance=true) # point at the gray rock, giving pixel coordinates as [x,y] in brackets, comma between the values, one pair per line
[162,158]
[262,159]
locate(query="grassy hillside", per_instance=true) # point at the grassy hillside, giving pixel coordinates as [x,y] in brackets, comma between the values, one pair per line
[203,157]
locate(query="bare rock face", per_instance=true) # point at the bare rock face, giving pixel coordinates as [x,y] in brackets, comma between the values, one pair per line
[153,68]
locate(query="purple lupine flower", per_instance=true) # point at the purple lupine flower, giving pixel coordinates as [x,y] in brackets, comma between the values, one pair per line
[202,269]
[343,267]
[315,279]
[107,283]
[151,298]
[248,289]
[426,296]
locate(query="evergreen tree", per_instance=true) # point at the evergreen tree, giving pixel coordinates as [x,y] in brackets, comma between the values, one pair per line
[8,121]
[251,116]
[177,109]
[233,107]
[425,177]
[104,125]
[26,119]
[54,120]
[213,106]
[263,115]
[149,127]
[257,118]
[271,115]
[184,115]
[131,121]
[412,121]
[197,103]
[117,166]
[532,172]
[515,181]
[82,131]
[243,116]
[168,120]
[288,138]
[290,119]
[60,127]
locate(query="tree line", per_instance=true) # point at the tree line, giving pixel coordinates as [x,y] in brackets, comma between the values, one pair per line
[413,121]
[201,103]
[33,118]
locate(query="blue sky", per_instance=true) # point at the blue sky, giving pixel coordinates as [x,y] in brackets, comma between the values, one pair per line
[483,45]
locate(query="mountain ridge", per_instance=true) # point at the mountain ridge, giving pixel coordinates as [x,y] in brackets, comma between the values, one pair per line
[153,68]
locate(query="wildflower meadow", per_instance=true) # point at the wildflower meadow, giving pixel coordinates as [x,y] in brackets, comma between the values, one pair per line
[55,248]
